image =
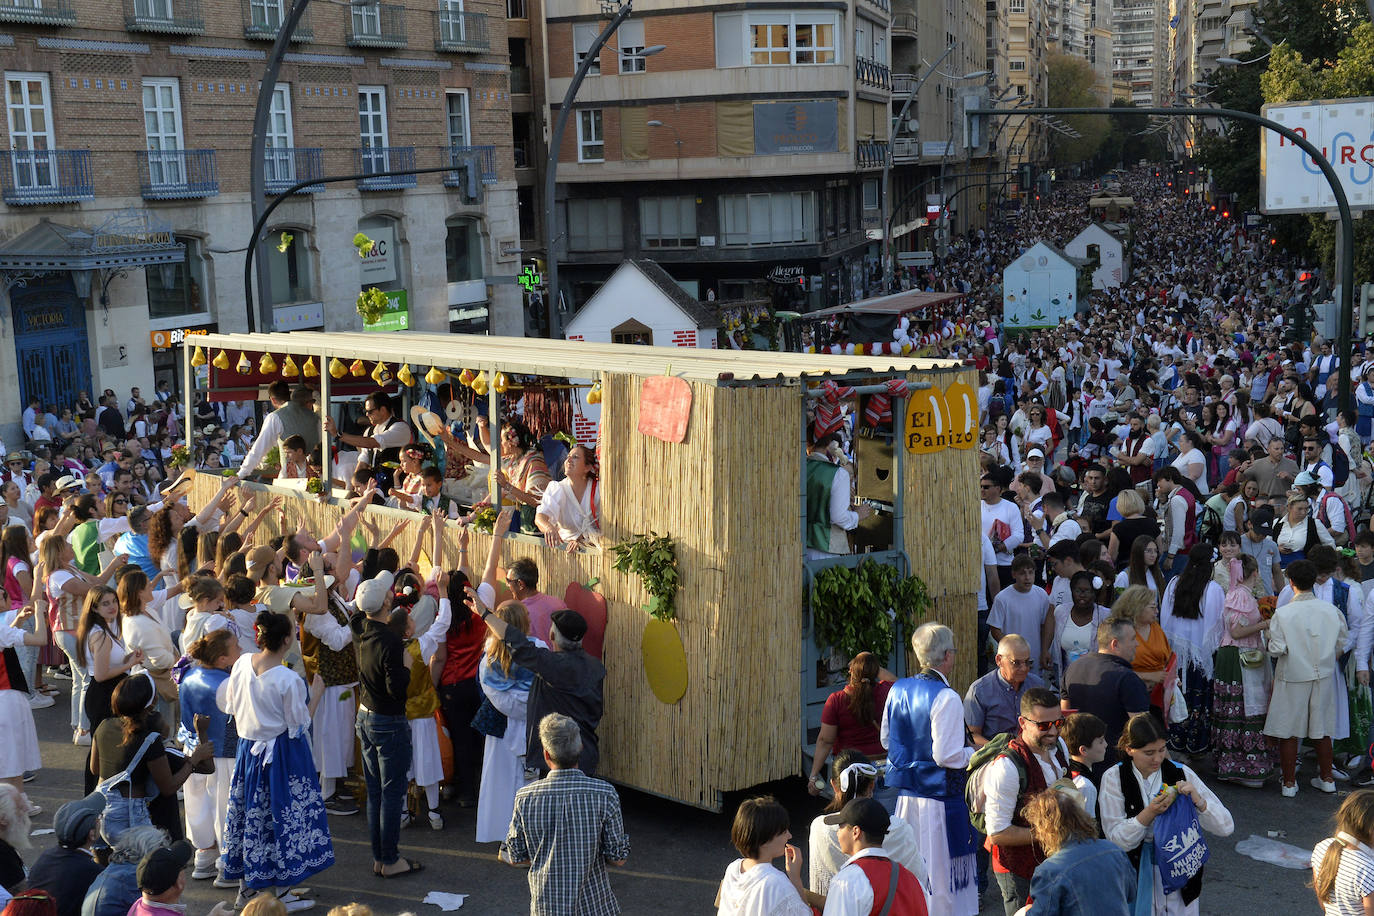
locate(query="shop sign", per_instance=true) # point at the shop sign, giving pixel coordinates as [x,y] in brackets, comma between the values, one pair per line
[172,337]
[379,261]
[937,420]
[44,319]
[787,273]
[397,314]
[782,128]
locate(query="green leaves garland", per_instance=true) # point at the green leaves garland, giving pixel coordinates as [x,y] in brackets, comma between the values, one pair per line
[653,558]
[372,304]
[850,607]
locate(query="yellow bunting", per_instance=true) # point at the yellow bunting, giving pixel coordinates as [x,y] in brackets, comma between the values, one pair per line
[198,357]
[244,367]
[501,383]
[594,396]
[381,374]
[465,377]
[405,375]
[267,365]
[358,369]
[479,384]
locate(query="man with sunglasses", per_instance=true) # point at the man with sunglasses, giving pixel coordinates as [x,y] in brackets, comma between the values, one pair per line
[1033,760]
[381,442]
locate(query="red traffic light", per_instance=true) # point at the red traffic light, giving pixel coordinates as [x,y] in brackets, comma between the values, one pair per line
[1187,190]
[1225,214]
[1273,241]
[1214,208]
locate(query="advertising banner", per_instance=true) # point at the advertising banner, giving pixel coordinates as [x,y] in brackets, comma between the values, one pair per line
[782,128]
[1291,182]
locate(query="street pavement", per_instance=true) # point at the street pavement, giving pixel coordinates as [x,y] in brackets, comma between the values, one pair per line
[679,853]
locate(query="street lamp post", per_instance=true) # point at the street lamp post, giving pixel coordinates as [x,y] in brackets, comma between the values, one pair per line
[677,142]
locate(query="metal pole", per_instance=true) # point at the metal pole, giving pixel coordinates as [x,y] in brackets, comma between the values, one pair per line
[888,248]
[257,164]
[326,460]
[1346,254]
[551,168]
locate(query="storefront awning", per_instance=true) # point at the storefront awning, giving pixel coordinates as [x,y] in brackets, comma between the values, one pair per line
[130,238]
[894,305]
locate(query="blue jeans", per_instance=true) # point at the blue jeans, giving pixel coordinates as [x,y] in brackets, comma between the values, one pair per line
[80,678]
[1176,567]
[386,758]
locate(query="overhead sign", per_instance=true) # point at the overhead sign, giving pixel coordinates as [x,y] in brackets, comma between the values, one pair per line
[1291,182]
[379,262]
[782,128]
[165,340]
[916,258]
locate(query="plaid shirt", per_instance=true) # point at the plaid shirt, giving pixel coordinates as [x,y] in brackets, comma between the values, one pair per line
[567,826]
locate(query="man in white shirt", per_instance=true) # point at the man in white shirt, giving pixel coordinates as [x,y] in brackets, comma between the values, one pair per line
[381,442]
[828,513]
[1042,758]
[1022,608]
[996,509]
[870,880]
[31,416]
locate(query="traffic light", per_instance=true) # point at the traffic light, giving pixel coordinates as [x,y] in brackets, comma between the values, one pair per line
[1225,214]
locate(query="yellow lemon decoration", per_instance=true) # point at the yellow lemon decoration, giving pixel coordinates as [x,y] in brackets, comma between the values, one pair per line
[221,361]
[267,365]
[479,384]
[434,376]
[336,368]
[665,660]
[381,374]
[594,396]
[309,370]
[244,367]
[858,349]
[466,377]
[405,375]
[358,369]
[198,357]
[501,383]
[289,368]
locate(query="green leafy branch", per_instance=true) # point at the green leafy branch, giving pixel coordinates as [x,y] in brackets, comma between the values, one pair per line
[653,559]
[854,609]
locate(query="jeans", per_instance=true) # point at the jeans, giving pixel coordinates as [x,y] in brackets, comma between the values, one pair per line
[386,758]
[80,678]
[1015,890]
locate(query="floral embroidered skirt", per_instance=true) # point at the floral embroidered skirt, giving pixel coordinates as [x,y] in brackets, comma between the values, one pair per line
[276,832]
[1240,699]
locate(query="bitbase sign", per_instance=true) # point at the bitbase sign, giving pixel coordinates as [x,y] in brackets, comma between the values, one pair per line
[1343,129]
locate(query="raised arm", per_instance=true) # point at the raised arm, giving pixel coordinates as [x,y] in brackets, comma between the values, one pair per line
[498,534]
[426,526]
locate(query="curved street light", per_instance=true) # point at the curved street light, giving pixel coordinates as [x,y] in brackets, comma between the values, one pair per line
[1237,62]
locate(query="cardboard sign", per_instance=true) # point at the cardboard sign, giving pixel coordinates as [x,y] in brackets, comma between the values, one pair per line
[665,403]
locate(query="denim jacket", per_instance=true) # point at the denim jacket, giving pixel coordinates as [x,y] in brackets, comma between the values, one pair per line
[1086,878]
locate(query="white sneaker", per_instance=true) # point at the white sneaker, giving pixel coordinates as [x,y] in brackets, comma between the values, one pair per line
[436,820]
[1289,791]
[1324,785]
[1340,775]
[205,865]
[40,701]
[223,882]
[81,739]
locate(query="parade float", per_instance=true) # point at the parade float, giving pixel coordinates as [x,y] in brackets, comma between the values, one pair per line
[715,677]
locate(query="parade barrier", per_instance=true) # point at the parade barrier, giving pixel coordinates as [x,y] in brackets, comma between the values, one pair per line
[730,494]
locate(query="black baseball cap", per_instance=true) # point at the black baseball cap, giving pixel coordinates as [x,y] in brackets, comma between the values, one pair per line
[570,623]
[159,869]
[865,813]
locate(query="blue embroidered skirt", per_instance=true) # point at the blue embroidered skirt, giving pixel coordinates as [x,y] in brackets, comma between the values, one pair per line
[276,832]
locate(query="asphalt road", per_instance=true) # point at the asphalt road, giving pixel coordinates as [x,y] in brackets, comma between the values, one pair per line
[678,853]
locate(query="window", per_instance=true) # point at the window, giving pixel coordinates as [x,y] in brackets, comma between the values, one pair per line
[372,134]
[630,38]
[668,222]
[768,219]
[633,332]
[367,19]
[267,14]
[28,101]
[1017,6]
[457,102]
[591,137]
[594,224]
[779,39]
[584,36]
[153,10]
[871,194]
[291,280]
[280,166]
[515,9]
[176,290]
[162,124]
[1016,65]
[463,250]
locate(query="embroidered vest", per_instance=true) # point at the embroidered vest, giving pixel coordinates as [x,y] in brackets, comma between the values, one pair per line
[335,668]
[421,697]
[820,477]
[910,755]
[908,897]
[1133,804]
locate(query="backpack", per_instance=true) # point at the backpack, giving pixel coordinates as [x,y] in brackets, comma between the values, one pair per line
[974,796]
[1340,465]
[1345,507]
[1209,525]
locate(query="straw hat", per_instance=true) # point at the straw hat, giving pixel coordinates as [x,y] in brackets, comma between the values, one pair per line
[427,422]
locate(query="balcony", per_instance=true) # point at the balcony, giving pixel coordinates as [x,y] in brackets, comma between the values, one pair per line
[871,73]
[284,166]
[262,20]
[460,33]
[377,25]
[520,79]
[164,17]
[486,163]
[903,25]
[373,160]
[871,154]
[903,84]
[883,5]
[45,176]
[906,149]
[522,150]
[38,12]
[177,174]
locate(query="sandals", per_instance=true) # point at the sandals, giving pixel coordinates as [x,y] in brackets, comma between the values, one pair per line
[412,868]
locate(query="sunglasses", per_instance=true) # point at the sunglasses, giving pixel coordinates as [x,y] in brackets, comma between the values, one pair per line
[1044,726]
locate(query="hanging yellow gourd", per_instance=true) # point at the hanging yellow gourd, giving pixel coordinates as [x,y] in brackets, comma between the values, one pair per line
[198,357]
[501,383]
[434,376]
[381,374]
[594,396]
[309,370]
[289,368]
[244,367]
[405,376]
[358,369]
[465,377]
[267,365]
[336,368]
[221,361]
[479,384]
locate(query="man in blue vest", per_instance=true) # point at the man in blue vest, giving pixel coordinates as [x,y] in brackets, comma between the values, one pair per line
[927,753]
[828,515]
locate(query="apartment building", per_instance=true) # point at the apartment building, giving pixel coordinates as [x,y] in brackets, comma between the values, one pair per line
[1083,29]
[125,210]
[1141,49]
[1028,42]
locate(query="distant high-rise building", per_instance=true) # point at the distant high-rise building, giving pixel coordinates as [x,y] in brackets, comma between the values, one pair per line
[1140,54]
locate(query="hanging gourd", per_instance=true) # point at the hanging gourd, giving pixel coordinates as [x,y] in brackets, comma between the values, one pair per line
[309,370]
[405,376]
[465,377]
[594,396]
[358,370]
[198,357]
[336,368]
[289,368]
[221,361]
[501,383]
[381,374]
[267,365]
[479,384]
[434,376]
[244,367]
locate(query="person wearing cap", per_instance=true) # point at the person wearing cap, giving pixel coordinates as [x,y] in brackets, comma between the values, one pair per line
[293,414]
[870,881]
[384,672]
[566,679]
[1258,543]
[381,442]
[67,869]
[162,881]
[1327,507]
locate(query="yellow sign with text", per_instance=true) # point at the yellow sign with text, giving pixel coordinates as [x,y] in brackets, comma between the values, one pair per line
[937,420]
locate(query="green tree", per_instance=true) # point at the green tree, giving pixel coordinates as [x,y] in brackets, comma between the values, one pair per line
[1316,29]
[1127,141]
[1071,82]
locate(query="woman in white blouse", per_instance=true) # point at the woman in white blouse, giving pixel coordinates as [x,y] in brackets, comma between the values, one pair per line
[1130,800]
[1190,611]
[1294,531]
[570,509]
[1192,459]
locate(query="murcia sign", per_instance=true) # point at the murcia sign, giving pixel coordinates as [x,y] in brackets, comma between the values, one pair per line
[1291,182]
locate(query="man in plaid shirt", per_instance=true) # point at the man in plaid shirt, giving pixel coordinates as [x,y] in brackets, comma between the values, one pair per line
[566,827]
